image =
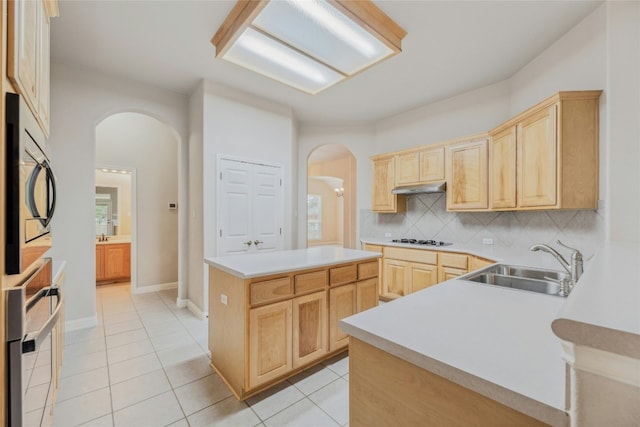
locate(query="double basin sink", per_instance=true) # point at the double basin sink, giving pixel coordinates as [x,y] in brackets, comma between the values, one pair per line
[522,278]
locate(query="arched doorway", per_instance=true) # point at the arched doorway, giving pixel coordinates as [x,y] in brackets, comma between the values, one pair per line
[142,147]
[331,196]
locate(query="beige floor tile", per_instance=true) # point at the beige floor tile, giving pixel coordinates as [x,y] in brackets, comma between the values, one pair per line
[129,351]
[126,338]
[334,400]
[83,408]
[76,364]
[174,339]
[313,379]
[182,423]
[160,410]
[164,327]
[189,370]
[174,355]
[303,413]
[106,421]
[202,393]
[339,364]
[228,413]
[274,400]
[80,335]
[132,368]
[83,383]
[109,318]
[86,347]
[120,327]
[138,389]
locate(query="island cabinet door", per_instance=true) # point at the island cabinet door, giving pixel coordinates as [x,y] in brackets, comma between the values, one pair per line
[342,303]
[270,342]
[366,294]
[309,328]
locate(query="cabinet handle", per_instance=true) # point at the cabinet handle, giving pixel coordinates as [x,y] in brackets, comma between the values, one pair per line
[257,242]
[248,243]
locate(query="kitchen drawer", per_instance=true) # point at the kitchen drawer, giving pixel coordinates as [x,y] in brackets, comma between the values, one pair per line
[367,270]
[453,260]
[414,255]
[307,282]
[270,290]
[342,275]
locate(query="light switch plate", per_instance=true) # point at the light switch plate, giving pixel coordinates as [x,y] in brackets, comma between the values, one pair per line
[487,241]
[223,299]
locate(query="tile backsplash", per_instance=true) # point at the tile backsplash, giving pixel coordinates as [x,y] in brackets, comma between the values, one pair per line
[427,218]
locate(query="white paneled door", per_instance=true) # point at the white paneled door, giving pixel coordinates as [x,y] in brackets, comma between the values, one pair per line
[249,207]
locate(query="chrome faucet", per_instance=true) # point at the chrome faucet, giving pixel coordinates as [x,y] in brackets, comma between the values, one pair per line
[574,268]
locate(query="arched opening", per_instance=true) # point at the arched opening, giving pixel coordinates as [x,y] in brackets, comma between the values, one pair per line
[141,210]
[331,197]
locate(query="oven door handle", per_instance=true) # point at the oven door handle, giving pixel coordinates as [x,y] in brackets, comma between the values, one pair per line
[51,179]
[33,340]
[31,189]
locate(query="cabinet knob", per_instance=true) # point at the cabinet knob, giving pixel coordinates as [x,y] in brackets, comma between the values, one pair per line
[248,243]
[257,242]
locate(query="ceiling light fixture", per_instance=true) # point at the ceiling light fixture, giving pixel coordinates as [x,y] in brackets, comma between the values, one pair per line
[307,44]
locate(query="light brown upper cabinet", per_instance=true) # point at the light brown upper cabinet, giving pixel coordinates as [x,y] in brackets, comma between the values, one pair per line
[502,169]
[432,165]
[28,59]
[552,150]
[382,200]
[408,168]
[467,175]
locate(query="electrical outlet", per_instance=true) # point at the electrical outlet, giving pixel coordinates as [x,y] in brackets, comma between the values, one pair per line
[223,299]
[387,234]
[487,241]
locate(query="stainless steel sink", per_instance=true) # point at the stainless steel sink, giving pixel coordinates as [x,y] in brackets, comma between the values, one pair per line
[522,278]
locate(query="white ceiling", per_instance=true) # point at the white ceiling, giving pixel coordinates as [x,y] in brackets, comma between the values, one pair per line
[451,47]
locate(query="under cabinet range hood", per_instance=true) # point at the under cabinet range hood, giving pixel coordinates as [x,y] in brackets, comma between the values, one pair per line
[436,187]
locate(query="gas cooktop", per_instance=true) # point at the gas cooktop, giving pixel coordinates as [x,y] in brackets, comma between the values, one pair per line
[422,242]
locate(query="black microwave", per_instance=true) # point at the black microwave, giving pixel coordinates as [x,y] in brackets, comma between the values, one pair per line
[31,188]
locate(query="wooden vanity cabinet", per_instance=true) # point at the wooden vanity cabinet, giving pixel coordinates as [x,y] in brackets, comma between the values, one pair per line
[113,262]
[466,166]
[265,329]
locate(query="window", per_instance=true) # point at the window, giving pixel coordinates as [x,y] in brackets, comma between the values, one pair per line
[314,217]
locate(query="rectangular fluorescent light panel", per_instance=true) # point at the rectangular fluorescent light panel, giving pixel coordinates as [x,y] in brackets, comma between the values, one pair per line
[307,44]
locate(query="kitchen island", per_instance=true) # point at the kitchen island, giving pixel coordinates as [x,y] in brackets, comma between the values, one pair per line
[275,314]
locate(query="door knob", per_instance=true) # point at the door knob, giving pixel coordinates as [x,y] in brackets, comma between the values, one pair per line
[257,242]
[248,243]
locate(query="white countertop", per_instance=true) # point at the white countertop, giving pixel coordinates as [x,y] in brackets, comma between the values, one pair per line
[266,263]
[494,252]
[603,310]
[115,240]
[493,340]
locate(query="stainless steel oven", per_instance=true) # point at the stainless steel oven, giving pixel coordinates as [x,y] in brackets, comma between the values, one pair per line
[33,308]
[31,188]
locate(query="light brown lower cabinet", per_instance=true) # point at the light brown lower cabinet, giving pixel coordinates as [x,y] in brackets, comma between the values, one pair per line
[309,328]
[342,303]
[264,330]
[403,273]
[270,342]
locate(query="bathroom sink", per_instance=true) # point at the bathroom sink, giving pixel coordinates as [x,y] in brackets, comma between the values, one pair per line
[522,278]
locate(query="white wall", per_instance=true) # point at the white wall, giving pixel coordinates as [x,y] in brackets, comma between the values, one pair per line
[574,62]
[243,126]
[138,142]
[623,120]
[359,140]
[80,100]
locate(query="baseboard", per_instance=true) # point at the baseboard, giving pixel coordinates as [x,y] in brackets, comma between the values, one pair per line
[196,311]
[182,303]
[154,288]
[83,323]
